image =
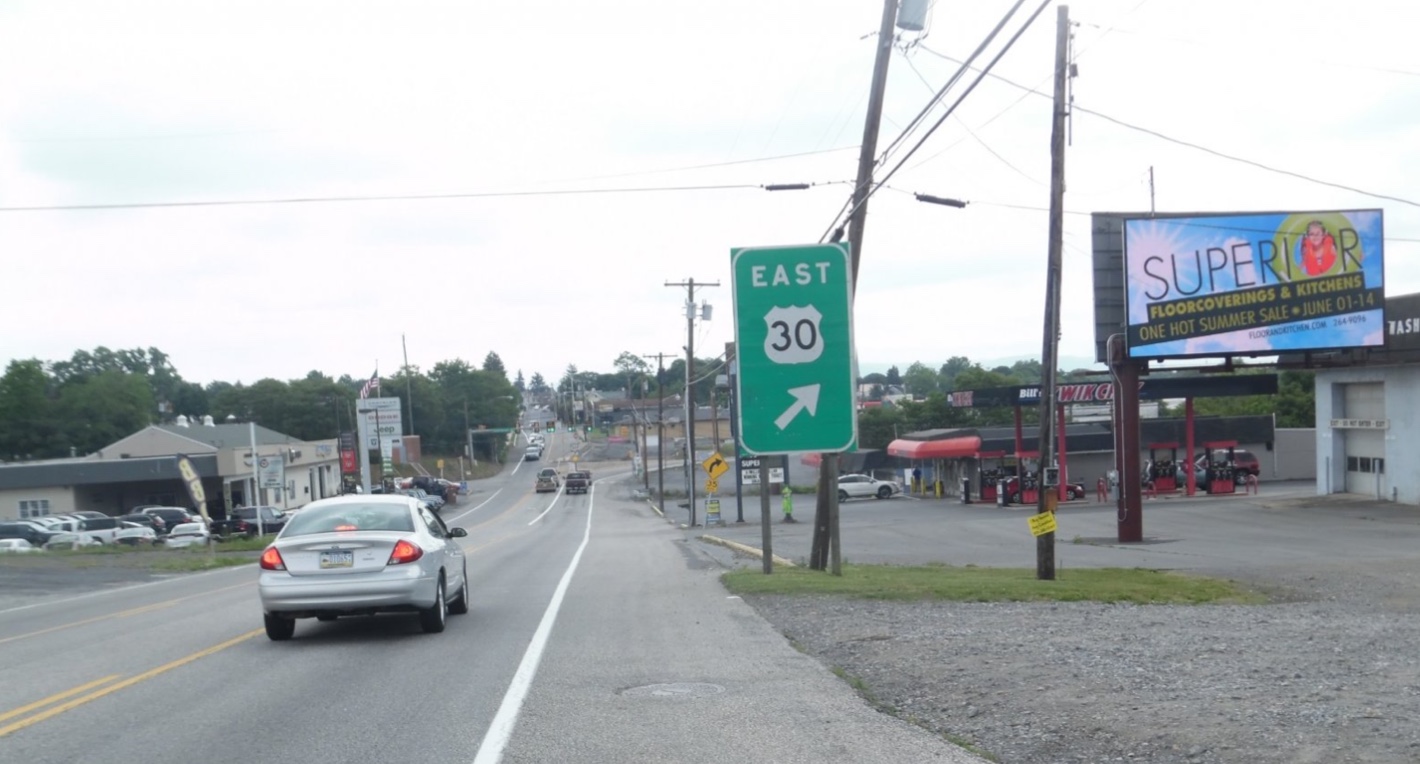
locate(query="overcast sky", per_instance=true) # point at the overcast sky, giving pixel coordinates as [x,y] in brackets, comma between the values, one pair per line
[506,103]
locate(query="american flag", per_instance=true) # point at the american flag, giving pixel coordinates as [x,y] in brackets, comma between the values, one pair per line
[373,386]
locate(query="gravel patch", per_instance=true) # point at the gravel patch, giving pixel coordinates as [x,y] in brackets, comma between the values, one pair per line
[1328,671]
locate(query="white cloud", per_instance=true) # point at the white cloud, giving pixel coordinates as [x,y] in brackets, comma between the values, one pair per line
[189,101]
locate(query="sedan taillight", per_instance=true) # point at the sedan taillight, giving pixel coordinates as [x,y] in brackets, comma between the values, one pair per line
[271,559]
[404,552]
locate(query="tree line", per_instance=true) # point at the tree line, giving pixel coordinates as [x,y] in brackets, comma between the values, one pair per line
[77,406]
[74,407]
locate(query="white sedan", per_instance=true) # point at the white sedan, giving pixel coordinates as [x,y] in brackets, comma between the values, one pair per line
[17,545]
[187,534]
[863,486]
[361,555]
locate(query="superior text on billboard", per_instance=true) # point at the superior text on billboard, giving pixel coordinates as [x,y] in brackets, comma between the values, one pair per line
[1248,284]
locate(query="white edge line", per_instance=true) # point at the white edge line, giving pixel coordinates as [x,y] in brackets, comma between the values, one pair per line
[490,751]
[475,509]
[549,506]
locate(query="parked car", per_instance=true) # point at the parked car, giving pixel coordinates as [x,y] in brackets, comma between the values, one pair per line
[241,521]
[103,529]
[71,540]
[26,533]
[133,534]
[155,522]
[87,513]
[18,546]
[187,534]
[1245,463]
[172,515]
[862,486]
[360,555]
[1075,489]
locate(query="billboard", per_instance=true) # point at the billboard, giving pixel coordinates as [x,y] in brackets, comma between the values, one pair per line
[1253,283]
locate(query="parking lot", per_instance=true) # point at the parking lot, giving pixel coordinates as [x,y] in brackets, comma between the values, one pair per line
[1282,524]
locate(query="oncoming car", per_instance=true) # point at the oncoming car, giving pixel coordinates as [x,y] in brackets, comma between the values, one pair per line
[361,555]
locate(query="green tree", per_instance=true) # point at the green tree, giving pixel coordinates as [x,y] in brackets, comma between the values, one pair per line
[519,384]
[101,408]
[28,419]
[920,380]
[1296,399]
[493,364]
[537,384]
[949,371]
[893,377]
[1028,372]
[878,426]
[632,367]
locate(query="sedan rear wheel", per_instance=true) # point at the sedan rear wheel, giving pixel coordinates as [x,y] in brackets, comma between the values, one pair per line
[279,629]
[433,618]
[460,605]
[842,495]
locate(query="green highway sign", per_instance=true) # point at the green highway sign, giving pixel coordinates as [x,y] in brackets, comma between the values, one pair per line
[794,344]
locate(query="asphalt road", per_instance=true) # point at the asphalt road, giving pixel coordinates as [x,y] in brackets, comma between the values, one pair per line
[598,633]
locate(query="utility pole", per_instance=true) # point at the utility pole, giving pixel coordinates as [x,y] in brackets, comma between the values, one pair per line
[660,428]
[732,367]
[1151,189]
[690,285]
[825,553]
[408,384]
[1045,543]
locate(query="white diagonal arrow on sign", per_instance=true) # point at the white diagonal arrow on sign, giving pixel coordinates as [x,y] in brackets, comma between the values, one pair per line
[805,397]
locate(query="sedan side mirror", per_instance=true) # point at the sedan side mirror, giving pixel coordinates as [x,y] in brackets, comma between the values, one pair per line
[457,533]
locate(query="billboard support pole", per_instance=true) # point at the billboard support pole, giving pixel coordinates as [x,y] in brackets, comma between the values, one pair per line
[1131,517]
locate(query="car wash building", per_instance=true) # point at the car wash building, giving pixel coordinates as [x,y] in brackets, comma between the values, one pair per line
[1368,410]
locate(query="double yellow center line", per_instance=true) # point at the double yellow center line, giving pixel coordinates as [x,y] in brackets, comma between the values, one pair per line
[58,703]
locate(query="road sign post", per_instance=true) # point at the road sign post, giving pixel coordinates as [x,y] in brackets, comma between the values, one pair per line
[794,345]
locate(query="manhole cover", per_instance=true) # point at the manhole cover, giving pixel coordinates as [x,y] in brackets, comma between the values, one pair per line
[675,690]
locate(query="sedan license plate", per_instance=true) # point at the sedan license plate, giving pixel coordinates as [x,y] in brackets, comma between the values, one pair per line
[337,559]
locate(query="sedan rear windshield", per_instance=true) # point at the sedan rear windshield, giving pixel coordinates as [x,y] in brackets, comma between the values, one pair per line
[350,517]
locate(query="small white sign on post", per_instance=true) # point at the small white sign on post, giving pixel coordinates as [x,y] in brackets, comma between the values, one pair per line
[272,471]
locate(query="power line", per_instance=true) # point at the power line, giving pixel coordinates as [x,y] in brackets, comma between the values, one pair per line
[987,70]
[1197,147]
[973,134]
[1250,162]
[398,197]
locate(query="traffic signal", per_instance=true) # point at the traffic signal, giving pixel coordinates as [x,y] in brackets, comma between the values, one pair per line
[552,427]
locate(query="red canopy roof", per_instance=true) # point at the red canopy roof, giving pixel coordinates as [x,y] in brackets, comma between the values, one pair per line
[947,448]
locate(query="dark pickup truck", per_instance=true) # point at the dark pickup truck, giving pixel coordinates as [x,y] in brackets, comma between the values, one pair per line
[577,482]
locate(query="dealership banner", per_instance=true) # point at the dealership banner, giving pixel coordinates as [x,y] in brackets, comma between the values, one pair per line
[1250,284]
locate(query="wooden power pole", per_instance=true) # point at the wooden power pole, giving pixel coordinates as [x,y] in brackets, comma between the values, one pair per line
[1045,543]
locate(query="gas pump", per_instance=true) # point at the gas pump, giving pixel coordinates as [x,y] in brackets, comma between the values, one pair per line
[1163,472]
[1027,485]
[990,474]
[1218,470]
